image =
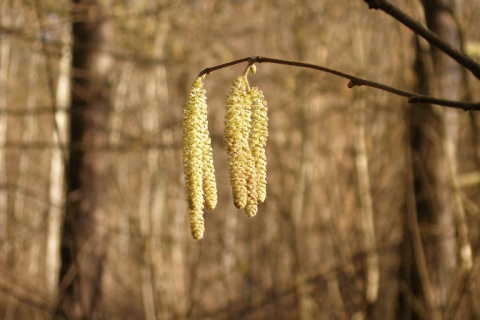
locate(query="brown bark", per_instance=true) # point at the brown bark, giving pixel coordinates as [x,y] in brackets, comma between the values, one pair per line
[84,229]
[433,136]
[448,75]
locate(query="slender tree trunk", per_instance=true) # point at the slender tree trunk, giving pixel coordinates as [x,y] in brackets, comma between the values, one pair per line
[4,65]
[84,230]
[433,136]
[57,165]
[448,75]
[372,276]
[149,175]
[440,17]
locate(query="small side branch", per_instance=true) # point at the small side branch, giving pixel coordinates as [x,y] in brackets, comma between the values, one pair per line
[207,71]
[425,33]
[354,81]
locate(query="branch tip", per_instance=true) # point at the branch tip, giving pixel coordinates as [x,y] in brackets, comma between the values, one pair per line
[373,4]
[431,37]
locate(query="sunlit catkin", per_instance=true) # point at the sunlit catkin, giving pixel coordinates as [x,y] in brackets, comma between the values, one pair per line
[258,140]
[252,201]
[197,158]
[237,132]
[197,223]
[209,183]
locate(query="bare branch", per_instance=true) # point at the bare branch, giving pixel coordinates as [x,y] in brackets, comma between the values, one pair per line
[354,81]
[428,35]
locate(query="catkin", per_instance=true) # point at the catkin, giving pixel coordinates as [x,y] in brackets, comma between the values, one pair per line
[209,183]
[237,132]
[193,128]
[197,223]
[197,159]
[258,140]
[246,131]
[252,201]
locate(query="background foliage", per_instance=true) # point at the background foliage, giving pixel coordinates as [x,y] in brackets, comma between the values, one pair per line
[338,161]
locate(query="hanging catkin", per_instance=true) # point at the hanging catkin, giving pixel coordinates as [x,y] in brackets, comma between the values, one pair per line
[197,159]
[258,141]
[237,132]
[246,131]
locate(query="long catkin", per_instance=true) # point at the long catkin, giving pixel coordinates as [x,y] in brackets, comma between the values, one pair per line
[197,159]
[237,132]
[258,141]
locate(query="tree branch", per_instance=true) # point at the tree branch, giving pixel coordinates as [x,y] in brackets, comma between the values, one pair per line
[354,81]
[426,34]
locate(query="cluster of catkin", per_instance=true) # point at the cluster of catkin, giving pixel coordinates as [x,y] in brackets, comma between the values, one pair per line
[246,131]
[245,137]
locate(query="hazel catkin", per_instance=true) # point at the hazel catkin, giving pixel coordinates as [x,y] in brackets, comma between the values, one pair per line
[252,195]
[197,223]
[237,131]
[197,158]
[208,170]
[209,183]
[258,140]
[245,137]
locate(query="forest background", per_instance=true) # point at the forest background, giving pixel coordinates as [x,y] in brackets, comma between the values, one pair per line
[372,206]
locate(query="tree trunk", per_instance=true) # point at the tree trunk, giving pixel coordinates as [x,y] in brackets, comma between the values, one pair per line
[4,63]
[84,229]
[433,137]
[57,165]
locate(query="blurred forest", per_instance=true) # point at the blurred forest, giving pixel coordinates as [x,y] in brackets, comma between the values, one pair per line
[373,204]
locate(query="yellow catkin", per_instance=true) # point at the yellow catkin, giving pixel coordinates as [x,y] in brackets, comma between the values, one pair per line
[258,140]
[197,158]
[193,127]
[197,223]
[237,131]
[209,183]
[248,161]
[252,201]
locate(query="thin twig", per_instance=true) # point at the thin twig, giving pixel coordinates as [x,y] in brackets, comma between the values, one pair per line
[354,81]
[428,35]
